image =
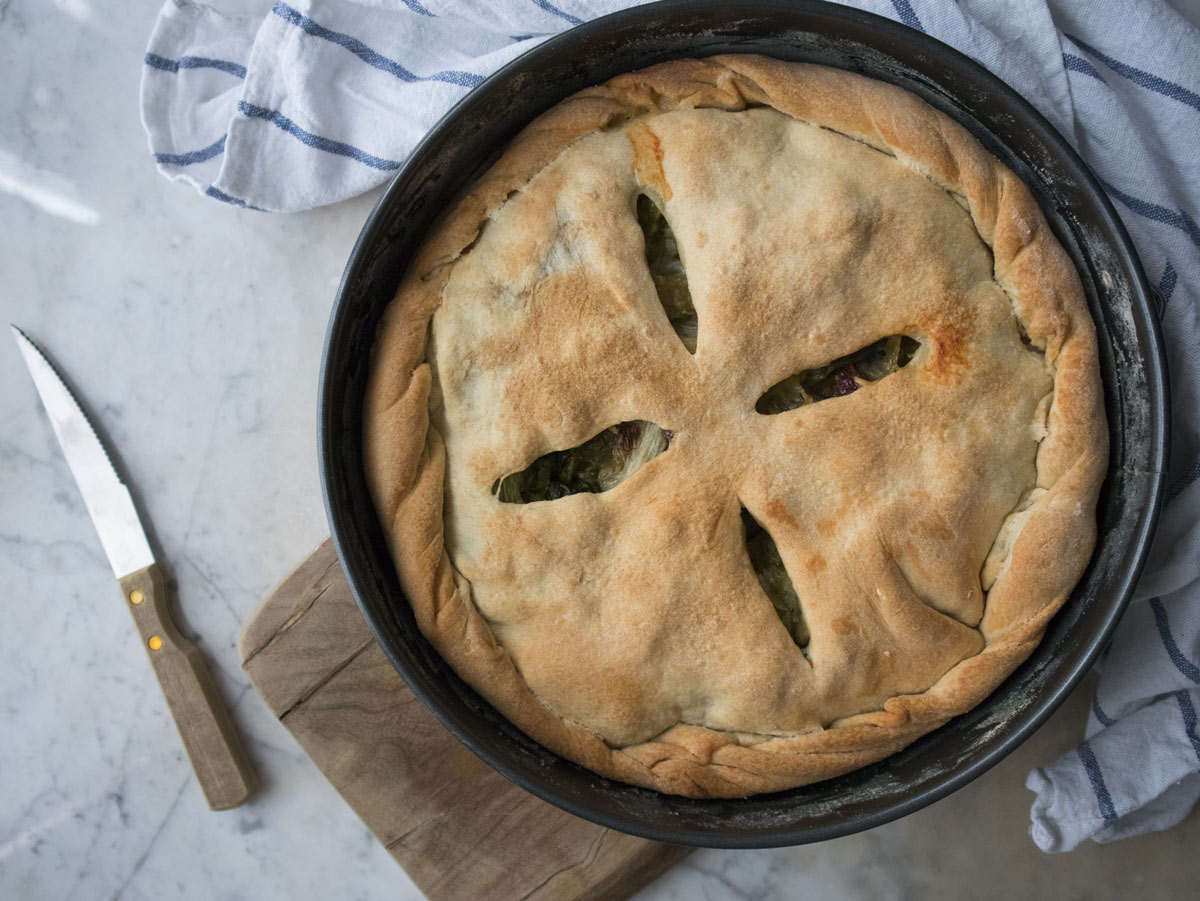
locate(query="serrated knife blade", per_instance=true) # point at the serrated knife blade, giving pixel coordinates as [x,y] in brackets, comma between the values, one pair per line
[218,758]
[107,498]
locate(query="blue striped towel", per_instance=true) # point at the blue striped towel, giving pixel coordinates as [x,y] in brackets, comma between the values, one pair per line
[321,100]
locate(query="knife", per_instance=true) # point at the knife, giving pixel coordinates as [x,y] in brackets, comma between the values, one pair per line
[217,755]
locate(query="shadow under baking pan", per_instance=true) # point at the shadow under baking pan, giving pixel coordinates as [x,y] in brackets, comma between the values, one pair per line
[1131,358]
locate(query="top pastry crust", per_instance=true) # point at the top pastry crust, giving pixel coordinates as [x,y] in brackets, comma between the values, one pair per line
[931,522]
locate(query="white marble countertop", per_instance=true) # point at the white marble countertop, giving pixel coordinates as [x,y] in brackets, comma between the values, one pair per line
[194,333]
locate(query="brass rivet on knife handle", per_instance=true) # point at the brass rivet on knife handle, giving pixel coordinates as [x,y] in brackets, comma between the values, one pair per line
[217,755]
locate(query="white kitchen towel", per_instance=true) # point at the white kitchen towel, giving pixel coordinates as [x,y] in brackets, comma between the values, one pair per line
[321,100]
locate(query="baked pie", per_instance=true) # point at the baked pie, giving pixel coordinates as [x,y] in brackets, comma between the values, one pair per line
[740,425]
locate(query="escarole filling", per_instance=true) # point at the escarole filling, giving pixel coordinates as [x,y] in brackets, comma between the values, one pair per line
[666,269]
[600,463]
[774,579]
[841,377]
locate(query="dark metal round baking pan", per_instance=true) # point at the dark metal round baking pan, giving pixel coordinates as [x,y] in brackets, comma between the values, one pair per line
[1131,357]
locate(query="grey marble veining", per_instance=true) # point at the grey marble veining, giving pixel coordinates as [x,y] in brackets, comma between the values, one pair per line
[193,331]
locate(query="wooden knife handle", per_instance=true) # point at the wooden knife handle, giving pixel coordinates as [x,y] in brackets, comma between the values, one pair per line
[217,756]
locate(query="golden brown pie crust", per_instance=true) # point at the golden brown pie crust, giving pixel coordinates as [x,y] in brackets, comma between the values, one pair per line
[932,522]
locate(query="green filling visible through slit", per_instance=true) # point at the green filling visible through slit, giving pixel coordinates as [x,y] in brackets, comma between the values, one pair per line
[773,577]
[670,281]
[842,376]
[600,463]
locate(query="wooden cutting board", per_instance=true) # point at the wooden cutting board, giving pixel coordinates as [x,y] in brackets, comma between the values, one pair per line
[459,829]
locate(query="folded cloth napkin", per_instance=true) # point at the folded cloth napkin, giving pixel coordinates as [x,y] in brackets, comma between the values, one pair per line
[321,100]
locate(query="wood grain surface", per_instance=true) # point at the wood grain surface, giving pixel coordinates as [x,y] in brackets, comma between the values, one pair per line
[458,828]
